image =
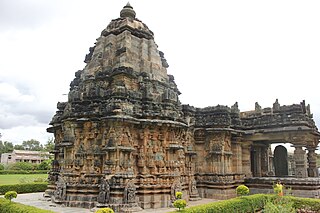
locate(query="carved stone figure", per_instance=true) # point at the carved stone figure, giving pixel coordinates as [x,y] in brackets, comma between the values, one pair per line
[193,187]
[104,191]
[176,187]
[130,193]
[257,107]
[60,193]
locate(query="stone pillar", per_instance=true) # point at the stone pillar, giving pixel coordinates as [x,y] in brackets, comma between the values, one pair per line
[257,160]
[270,162]
[264,161]
[300,159]
[246,162]
[312,162]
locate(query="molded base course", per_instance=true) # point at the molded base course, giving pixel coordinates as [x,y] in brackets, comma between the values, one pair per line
[299,187]
[216,193]
[155,201]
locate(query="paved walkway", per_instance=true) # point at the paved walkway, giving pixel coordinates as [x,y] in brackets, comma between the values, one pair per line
[37,200]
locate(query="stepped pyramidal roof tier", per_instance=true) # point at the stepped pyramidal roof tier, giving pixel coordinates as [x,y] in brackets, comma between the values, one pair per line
[123,139]
[125,75]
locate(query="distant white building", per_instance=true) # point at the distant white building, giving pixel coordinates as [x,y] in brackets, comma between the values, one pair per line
[24,156]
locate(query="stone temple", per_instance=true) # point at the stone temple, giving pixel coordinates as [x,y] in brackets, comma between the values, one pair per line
[123,139]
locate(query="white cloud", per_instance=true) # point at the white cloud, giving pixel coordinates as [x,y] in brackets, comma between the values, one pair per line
[18,109]
[9,120]
[18,134]
[220,52]
[10,94]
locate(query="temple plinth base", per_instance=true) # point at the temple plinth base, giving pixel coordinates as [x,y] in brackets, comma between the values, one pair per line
[299,187]
[194,197]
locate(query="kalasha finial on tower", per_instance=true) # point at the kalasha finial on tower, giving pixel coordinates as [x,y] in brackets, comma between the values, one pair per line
[128,11]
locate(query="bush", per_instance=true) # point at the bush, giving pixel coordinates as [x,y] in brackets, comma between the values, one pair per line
[9,172]
[23,188]
[180,204]
[178,195]
[104,210]
[305,203]
[21,166]
[44,165]
[7,206]
[1,167]
[280,205]
[250,203]
[257,202]
[242,190]
[10,195]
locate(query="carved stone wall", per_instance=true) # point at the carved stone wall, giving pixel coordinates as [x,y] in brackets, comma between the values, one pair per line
[124,140]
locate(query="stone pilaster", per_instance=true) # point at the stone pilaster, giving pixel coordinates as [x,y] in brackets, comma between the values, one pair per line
[300,159]
[246,163]
[236,157]
[312,162]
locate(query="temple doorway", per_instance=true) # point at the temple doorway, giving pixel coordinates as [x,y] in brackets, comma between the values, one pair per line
[281,161]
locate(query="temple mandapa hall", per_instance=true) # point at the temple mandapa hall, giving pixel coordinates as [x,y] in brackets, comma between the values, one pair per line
[123,139]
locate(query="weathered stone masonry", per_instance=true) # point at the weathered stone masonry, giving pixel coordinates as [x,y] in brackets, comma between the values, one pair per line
[124,140]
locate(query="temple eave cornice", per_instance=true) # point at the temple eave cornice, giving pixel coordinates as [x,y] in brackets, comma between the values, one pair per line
[133,31]
[281,130]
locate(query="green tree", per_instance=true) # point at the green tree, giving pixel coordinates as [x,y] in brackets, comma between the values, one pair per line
[178,195]
[49,146]
[18,147]
[242,190]
[5,147]
[10,195]
[32,145]
[180,204]
[45,165]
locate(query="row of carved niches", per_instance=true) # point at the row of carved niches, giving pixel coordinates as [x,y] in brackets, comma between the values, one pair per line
[119,106]
[122,82]
[278,115]
[83,179]
[126,166]
[122,135]
[214,163]
[218,116]
[106,188]
[217,141]
[154,155]
[218,178]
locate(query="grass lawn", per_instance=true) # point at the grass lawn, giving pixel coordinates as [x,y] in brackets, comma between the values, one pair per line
[20,178]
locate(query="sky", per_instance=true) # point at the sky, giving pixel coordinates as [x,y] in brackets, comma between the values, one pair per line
[219,52]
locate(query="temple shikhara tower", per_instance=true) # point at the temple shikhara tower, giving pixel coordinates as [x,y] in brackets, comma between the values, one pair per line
[123,139]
